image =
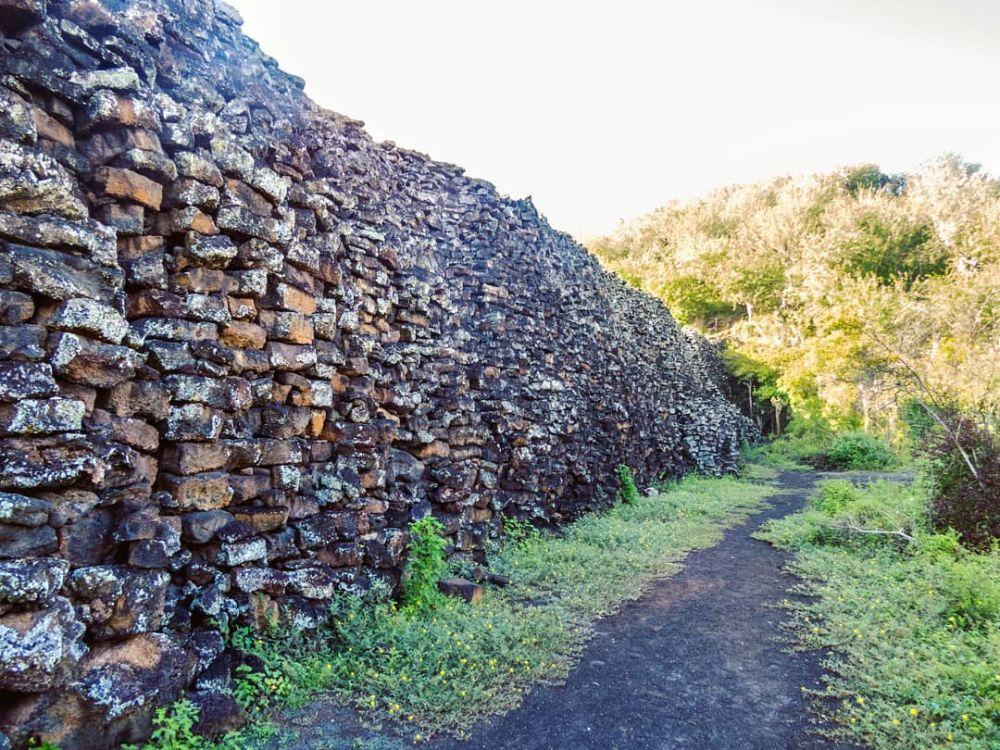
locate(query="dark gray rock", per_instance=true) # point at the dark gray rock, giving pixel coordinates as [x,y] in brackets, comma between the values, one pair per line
[31,581]
[38,649]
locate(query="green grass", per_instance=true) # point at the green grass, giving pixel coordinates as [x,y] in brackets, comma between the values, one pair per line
[443,668]
[790,452]
[913,626]
[804,449]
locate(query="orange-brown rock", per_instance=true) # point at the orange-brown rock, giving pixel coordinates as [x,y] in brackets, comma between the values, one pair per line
[123,183]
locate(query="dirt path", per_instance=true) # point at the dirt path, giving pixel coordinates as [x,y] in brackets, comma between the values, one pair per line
[694,663]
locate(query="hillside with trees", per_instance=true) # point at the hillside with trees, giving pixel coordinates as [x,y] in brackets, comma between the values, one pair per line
[844,299]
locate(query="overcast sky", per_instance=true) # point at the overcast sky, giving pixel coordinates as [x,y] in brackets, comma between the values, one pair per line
[604,110]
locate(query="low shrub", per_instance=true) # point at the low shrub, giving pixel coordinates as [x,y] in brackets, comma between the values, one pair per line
[857,450]
[442,668]
[910,626]
[963,501]
[426,564]
[809,446]
[835,495]
[627,492]
[842,514]
[801,448]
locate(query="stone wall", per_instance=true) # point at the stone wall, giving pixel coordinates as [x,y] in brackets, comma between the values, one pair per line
[243,346]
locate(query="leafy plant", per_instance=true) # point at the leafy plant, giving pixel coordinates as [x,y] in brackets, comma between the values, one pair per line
[964,501]
[911,627]
[865,177]
[810,276]
[901,252]
[859,451]
[695,300]
[425,565]
[802,446]
[834,496]
[517,530]
[173,727]
[442,668]
[627,492]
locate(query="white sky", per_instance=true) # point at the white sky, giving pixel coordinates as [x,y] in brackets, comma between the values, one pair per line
[605,110]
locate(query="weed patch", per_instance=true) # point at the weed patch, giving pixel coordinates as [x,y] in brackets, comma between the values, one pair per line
[913,625]
[444,667]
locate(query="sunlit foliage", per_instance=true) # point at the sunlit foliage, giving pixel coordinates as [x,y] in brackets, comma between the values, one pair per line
[830,283]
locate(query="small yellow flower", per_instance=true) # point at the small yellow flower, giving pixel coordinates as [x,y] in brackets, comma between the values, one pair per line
[914,711]
[895,722]
[965,717]
[860,700]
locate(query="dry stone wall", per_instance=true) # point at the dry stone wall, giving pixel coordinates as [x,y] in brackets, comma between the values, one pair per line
[243,346]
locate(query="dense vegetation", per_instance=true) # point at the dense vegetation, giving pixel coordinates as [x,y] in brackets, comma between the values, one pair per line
[847,297]
[438,664]
[910,616]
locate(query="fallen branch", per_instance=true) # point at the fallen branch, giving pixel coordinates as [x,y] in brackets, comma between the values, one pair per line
[880,532]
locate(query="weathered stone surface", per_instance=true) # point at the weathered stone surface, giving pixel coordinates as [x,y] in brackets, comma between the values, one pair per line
[56,275]
[124,80]
[39,417]
[232,159]
[32,182]
[198,168]
[205,491]
[152,164]
[19,541]
[16,307]
[22,342]
[192,422]
[49,127]
[88,237]
[23,511]
[38,649]
[293,327]
[106,108]
[171,329]
[17,15]
[17,123]
[462,588]
[94,318]
[126,675]
[243,346]
[218,713]
[129,185]
[32,581]
[21,380]
[121,601]
[193,458]
[200,527]
[46,463]
[243,335]
[82,360]
[212,252]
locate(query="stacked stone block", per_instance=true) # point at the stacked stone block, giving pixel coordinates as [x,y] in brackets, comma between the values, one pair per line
[242,347]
